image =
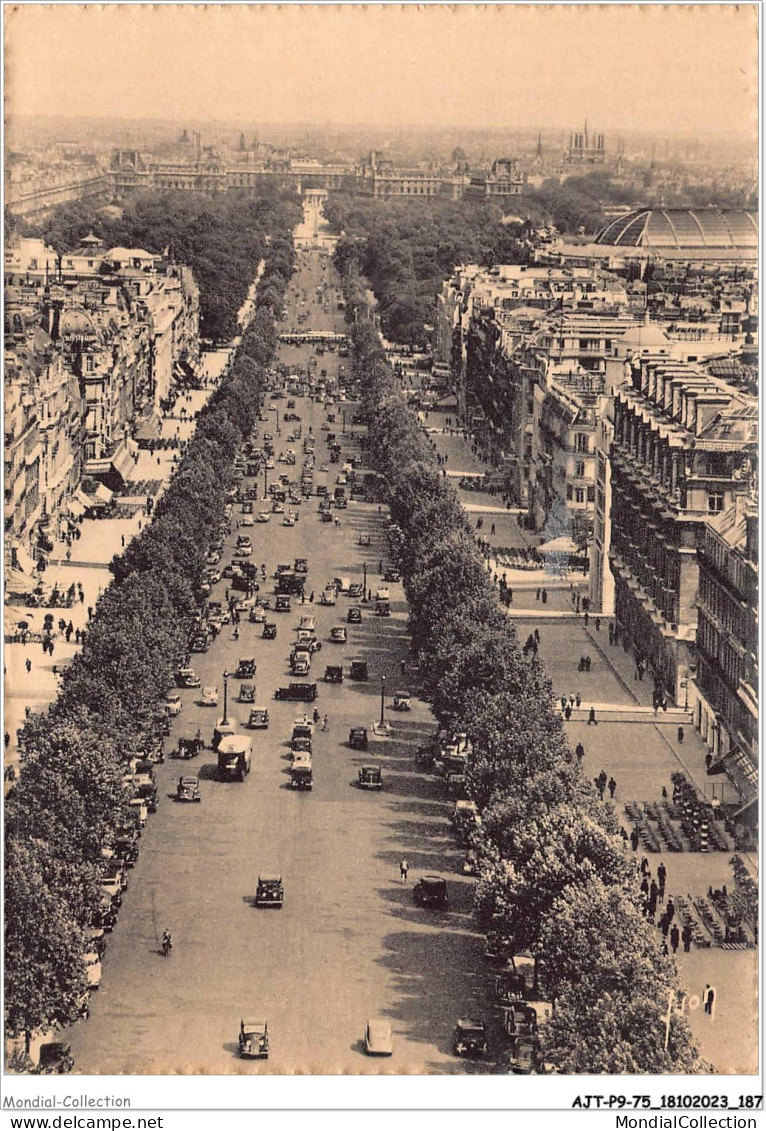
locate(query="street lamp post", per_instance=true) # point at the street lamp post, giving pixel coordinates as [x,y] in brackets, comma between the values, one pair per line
[277,428]
[265,481]
[344,423]
[364,583]
[382,699]
[225,719]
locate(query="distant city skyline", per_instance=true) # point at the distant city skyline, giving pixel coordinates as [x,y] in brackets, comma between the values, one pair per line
[665,69]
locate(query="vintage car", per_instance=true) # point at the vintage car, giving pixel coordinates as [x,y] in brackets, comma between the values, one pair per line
[338,634]
[333,673]
[254,1039]
[269,892]
[187,677]
[359,670]
[382,594]
[301,565]
[263,516]
[357,738]
[300,663]
[382,607]
[354,615]
[55,1058]
[188,788]
[431,891]
[378,1037]
[245,669]
[356,590]
[173,704]
[402,701]
[224,728]
[392,575]
[469,1038]
[209,697]
[302,772]
[259,719]
[282,604]
[302,692]
[369,777]
[269,631]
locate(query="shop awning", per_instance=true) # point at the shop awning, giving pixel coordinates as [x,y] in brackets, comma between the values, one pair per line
[560,545]
[18,582]
[122,463]
[102,494]
[75,507]
[24,560]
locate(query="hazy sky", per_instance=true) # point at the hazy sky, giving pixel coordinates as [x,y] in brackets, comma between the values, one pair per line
[661,68]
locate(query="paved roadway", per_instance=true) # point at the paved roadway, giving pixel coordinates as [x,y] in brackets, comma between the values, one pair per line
[348,943]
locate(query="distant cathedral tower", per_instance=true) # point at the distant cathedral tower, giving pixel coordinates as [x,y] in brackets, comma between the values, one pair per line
[585,149]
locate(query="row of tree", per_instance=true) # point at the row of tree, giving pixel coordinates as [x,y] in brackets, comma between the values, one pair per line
[554,877]
[221,239]
[69,802]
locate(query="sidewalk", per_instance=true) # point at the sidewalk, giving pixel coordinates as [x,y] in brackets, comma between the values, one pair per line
[91,553]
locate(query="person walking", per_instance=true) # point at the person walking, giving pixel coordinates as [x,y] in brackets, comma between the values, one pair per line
[403,870]
[592,717]
[578,699]
[662,876]
[579,752]
[671,910]
[325,722]
[601,783]
[686,937]
[634,839]
[675,936]
[28,665]
[612,788]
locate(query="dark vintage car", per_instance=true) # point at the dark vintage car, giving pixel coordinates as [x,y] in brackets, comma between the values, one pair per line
[282,604]
[188,747]
[431,891]
[469,1038]
[354,615]
[55,1059]
[357,738]
[245,669]
[301,692]
[359,670]
[270,892]
[370,777]
[333,673]
[247,693]
[269,631]
[188,788]
[392,575]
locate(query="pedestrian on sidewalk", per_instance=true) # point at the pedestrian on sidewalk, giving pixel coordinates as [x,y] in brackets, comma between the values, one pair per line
[674,937]
[492,529]
[90,612]
[28,665]
[592,717]
[601,783]
[579,752]
[611,634]
[687,935]
[634,839]
[644,866]
[403,870]
[662,876]
[598,624]
[537,595]
[567,712]
[578,699]
[612,788]
[325,722]
[544,596]
[585,618]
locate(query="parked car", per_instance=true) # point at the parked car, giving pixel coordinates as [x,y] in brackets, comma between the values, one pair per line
[173,704]
[469,1038]
[188,788]
[357,738]
[378,1037]
[187,677]
[431,891]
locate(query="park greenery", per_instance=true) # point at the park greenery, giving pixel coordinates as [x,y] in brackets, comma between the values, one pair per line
[222,240]
[69,804]
[555,881]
